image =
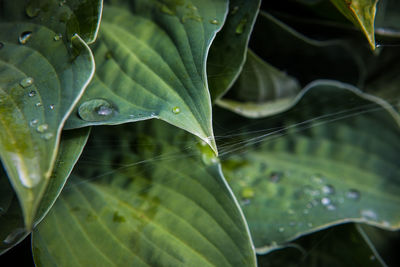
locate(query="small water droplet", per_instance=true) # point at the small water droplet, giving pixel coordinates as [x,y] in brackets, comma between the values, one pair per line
[57,37]
[214,21]
[325,201]
[52,106]
[281,229]
[38,104]
[24,37]
[241,26]
[328,189]
[234,10]
[14,236]
[32,9]
[42,128]
[32,93]
[33,122]
[309,224]
[369,214]
[247,193]
[96,110]
[47,136]
[275,177]
[28,81]
[353,194]
[331,207]
[176,110]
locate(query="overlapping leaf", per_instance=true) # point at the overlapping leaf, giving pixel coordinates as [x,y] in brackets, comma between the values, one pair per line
[261,90]
[12,229]
[362,14]
[304,58]
[144,199]
[151,60]
[228,51]
[332,158]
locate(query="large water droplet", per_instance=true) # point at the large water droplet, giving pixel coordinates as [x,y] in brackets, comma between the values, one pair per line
[241,26]
[14,236]
[214,21]
[28,81]
[42,128]
[353,194]
[176,110]
[328,189]
[24,37]
[96,110]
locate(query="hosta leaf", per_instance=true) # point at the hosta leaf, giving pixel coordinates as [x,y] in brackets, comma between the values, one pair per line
[304,58]
[43,72]
[261,90]
[332,158]
[228,51]
[11,217]
[151,64]
[144,199]
[341,245]
[362,14]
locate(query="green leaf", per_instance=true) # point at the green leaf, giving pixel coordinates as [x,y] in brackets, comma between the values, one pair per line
[42,76]
[11,217]
[304,58]
[341,245]
[145,198]
[332,158]
[151,60]
[362,14]
[228,51]
[261,90]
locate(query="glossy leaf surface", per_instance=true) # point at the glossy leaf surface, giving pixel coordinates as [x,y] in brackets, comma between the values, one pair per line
[151,63]
[148,198]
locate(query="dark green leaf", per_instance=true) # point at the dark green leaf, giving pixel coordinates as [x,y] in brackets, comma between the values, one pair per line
[228,51]
[144,199]
[151,64]
[332,158]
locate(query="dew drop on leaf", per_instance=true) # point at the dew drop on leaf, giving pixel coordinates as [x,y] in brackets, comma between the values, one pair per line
[33,122]
[32,93]
[281,229]
[325,201]
[38,104]
[240,27]
[24,37]
[52,106]
[42,128]
[26,82]
[96,110]
[328,189]
[176,110]
[57,37]
[353,194]
[47,136]
[214,21]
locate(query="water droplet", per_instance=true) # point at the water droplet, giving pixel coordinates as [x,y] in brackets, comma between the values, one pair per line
[176,110]
[33,122]
[57,37]
[32,93]
[47,136]
[1,45]
[331,207]
[353,194]
[52,106]
[240,27]
[281,229]
[234,10]
[247,193]
[369,214]
[214,21]
[275,177]
[28,81]
[38,104]
[325,201]
[32,9]
[96,110]
[328,189]
[42,128]
[24,37]
[14,236]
